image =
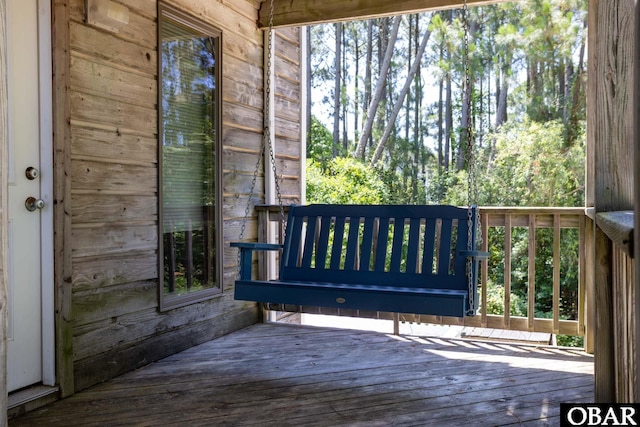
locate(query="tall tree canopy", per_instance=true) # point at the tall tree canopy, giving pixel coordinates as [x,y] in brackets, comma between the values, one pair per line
[391,91]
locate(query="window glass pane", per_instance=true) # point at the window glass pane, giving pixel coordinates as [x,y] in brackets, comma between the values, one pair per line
[189,92]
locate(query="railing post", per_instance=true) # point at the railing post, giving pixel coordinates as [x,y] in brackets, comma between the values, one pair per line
[590,285]
[265,258]
[604,366]
[263,236]
[396,323]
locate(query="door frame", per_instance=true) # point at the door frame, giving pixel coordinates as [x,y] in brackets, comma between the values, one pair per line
[46,191]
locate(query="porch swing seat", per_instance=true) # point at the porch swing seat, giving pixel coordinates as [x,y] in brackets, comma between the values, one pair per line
[393,258]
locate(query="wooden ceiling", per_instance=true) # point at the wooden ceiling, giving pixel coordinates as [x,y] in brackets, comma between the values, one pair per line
[304,12]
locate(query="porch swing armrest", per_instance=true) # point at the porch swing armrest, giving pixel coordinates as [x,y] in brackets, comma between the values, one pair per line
[474,254]
[246,255]
[256,246]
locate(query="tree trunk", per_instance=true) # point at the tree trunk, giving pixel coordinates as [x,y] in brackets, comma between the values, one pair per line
[308,83]
[367,75]
[561,74]
[448,124]
[337,87]
[356,95]
[465,116]
[400,101]
[503,92]
[381,111]
[440,121]
[448,120]
[345,104]
[407,116]
[480,113]
[569,74]
[441,115]
[417,122]
[380,85]
[577,87]
[489,94]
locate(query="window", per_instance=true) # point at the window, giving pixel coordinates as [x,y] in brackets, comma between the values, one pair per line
[189,154]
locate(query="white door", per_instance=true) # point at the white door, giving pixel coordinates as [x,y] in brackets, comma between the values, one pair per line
[30,358]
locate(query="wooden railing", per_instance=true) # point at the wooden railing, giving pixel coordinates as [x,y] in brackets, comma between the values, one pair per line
[616,308]
[512,236]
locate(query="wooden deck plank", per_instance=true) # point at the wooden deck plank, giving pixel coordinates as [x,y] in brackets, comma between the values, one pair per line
[291,375]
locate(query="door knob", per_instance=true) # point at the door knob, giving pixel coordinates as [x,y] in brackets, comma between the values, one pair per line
[31,173]
[32,204]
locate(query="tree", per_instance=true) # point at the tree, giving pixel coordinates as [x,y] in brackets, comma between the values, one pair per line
[337,86]
[400,101]
[321,147]
[533,163]
[540,40]
[344,180]
[375,100]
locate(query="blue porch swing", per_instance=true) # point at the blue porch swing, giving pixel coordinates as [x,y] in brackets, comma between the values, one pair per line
[420,259]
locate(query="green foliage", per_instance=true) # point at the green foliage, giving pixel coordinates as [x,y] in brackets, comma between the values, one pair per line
[495,301]
[320,146]
[177,246]
[532,161]
[570,341]
[344,180]
[526,164]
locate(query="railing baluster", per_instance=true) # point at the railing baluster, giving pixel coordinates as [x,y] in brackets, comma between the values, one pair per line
[507,271]
[582,276]
[531,294]
[556,273]
[484,223]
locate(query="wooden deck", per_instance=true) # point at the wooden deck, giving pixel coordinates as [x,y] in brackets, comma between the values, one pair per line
[286,375]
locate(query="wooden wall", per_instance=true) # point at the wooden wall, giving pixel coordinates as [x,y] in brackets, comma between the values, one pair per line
[610,162]
[111,155]
[288,110]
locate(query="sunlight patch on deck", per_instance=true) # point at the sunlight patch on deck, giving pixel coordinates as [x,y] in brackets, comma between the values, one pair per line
[493,336]
[532,360]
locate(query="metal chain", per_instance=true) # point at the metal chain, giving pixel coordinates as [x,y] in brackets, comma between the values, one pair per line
[471,180]
[267,118]
[266,140]
[247,209]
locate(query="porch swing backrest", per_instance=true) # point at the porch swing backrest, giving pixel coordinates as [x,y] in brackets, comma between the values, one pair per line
[397,258]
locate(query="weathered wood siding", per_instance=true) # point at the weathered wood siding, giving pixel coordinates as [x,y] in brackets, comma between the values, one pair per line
[288,110]
[113,163]
[610,187]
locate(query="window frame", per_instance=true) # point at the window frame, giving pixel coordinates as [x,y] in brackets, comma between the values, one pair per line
[198,26]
